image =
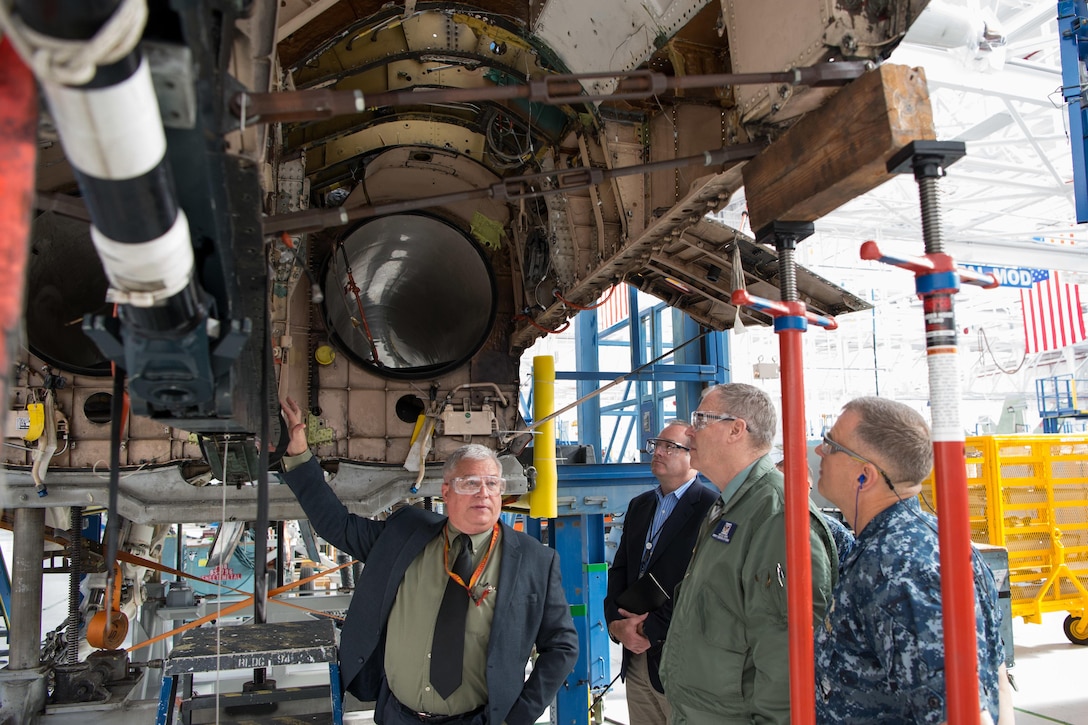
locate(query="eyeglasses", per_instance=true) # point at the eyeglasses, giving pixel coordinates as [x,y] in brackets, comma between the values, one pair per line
[702,418]
[666,447]
[831,447]
[470,485]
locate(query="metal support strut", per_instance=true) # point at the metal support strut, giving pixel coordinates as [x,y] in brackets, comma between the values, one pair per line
[937,280]
[791,319]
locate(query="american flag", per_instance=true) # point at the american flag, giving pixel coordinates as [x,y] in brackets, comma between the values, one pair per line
[615,308]
[1052,313]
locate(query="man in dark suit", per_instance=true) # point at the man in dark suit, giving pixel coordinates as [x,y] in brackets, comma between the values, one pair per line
[417,565]
[659,533]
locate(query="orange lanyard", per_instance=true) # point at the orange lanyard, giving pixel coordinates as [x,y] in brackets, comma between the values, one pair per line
[479,570]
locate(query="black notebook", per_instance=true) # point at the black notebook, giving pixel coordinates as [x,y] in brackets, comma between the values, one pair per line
[645,595]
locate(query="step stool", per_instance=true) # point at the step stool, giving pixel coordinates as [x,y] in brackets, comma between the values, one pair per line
[251,646]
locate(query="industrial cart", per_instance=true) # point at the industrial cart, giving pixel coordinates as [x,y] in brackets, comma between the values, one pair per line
[1029,494]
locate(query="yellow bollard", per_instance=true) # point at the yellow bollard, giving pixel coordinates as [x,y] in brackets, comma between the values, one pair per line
[542,499]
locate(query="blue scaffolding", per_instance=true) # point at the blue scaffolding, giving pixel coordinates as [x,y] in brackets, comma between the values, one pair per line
[1073,40]
[1059,402]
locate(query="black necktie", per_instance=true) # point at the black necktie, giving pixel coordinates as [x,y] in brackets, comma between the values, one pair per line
[448,645]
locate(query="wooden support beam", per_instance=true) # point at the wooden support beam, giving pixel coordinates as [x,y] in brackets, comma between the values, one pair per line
[838,151]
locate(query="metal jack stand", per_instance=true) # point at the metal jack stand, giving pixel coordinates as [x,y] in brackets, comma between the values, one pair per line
[791,319]
[936,280]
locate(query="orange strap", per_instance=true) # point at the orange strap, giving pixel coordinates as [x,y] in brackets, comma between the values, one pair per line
[479,570]
[232,608]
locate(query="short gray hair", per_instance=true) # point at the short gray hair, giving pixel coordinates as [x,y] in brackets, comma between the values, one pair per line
[753,405]
[895,433]
[470,452]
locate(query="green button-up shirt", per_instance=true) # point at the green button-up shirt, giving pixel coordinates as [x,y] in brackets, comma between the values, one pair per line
[412,619]
[411,629]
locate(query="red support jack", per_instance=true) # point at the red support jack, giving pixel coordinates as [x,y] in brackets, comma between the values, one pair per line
[791,319]
[937,281]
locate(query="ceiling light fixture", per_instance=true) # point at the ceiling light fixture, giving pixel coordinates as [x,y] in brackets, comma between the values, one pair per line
[677,284]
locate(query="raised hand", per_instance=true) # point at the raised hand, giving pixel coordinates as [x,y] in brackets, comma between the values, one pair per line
[292,414]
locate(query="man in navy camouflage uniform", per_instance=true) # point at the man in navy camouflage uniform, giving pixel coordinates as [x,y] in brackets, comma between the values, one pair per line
[880,649]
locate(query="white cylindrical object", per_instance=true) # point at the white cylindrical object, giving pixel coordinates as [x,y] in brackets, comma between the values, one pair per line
[112,133]
[158,269]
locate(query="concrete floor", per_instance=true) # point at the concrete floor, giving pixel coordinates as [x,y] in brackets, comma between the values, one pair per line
[1050,673]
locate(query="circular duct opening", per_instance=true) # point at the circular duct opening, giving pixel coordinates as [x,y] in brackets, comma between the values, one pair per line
[409,296]
[409,408]
[65,281]
[97,407]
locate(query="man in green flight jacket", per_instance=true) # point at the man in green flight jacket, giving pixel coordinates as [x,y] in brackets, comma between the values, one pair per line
[726,658]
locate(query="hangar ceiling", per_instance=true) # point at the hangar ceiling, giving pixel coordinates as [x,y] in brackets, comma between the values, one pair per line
[1014,188]
[1008,202]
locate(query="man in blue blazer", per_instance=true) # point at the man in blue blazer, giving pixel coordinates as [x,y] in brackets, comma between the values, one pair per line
[411,566]
[659,532]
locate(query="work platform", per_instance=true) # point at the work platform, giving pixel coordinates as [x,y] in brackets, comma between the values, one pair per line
[258,647]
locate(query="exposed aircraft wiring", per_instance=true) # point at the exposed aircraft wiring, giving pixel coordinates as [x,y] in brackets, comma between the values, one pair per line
[537,325]
[500,128]
[594,196]
[536,256]
[316,295]
[894,39]
[641,29]
[372,31]
[536,294]
[422,393]
[538,262]
[96,474]
[517,261]
[353,288]
[67,439]
[666,115]
[466,386]
[583,308]
[529,113]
